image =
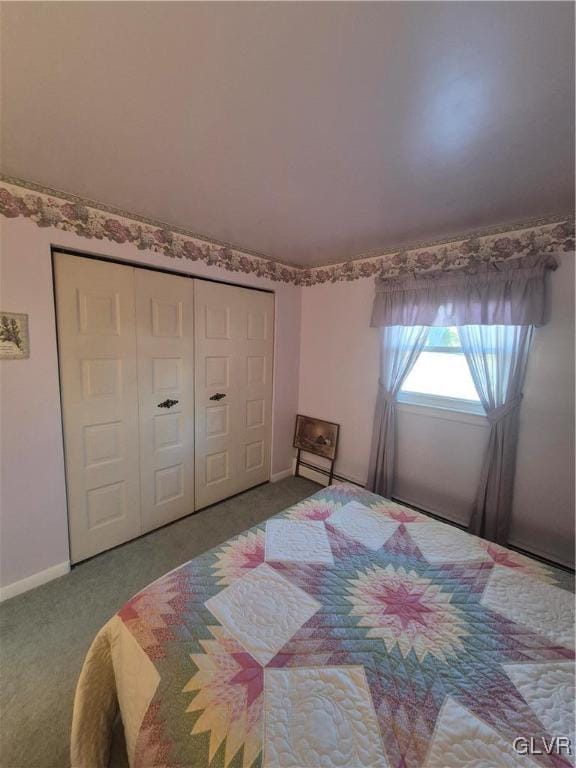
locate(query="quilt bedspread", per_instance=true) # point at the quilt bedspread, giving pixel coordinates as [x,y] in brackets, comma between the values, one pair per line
[348,631]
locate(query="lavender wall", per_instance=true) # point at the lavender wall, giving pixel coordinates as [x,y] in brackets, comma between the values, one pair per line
[33,524]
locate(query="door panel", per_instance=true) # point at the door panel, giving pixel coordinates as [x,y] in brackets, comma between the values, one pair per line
[98,372]
[165,342]
[256,363]
[233,358]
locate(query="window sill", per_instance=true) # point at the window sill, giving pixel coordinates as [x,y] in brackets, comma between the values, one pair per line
[442,408]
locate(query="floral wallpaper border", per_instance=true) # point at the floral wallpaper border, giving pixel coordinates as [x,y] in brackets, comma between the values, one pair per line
[72,214]
[468,254]
[95,221]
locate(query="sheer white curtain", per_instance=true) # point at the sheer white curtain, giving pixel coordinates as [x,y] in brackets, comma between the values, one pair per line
[399,350]
[497,356]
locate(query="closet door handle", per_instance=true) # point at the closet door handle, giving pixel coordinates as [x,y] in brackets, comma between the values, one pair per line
[167,403]
[218,396]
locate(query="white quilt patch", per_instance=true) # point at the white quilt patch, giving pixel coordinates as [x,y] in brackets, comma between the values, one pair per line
[262,610]
[298,541]
[442,543]
[365,525]
[549,689]
[544,609]
[462,740]
[320,717]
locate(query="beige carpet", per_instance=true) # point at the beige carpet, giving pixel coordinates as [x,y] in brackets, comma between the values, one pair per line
[45,633]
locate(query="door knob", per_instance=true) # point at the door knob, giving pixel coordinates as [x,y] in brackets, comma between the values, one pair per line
[167,403]
[218,396]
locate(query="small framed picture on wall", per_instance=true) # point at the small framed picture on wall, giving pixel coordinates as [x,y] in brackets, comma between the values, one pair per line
[316,436]
[14,341]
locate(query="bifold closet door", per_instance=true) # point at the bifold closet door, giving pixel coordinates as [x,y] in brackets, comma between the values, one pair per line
[98,375]
[234,330]
[165,343]
[166,396]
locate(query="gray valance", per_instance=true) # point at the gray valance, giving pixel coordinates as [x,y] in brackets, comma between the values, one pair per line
[511,292]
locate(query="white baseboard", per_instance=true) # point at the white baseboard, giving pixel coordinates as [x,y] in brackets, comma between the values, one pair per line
[311,474]
[321,479]
[42,577]
[281,475]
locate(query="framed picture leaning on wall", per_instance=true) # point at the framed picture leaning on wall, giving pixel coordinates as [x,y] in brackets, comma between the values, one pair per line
[316,436]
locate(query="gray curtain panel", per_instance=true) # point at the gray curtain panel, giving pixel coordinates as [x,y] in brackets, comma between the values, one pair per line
[399,350]
[511,292]
[497,356]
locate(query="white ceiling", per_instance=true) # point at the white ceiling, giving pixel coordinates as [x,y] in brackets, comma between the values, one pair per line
[311,132]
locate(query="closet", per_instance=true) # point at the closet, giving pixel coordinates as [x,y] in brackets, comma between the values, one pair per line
[166,389]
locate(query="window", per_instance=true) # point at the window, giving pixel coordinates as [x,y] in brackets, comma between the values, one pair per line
[441,376]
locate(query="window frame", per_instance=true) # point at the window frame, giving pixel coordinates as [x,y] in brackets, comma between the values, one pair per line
[442,402]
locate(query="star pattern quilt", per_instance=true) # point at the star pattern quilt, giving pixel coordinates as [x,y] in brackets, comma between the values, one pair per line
[346,632]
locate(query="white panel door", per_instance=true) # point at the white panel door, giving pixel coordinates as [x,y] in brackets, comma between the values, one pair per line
[98,372]
[165,336]
[234,331]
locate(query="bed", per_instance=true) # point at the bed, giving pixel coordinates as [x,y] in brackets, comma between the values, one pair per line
[347,631]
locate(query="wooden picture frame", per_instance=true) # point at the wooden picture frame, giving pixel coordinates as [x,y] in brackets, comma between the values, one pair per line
[14,339]
[316,436]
